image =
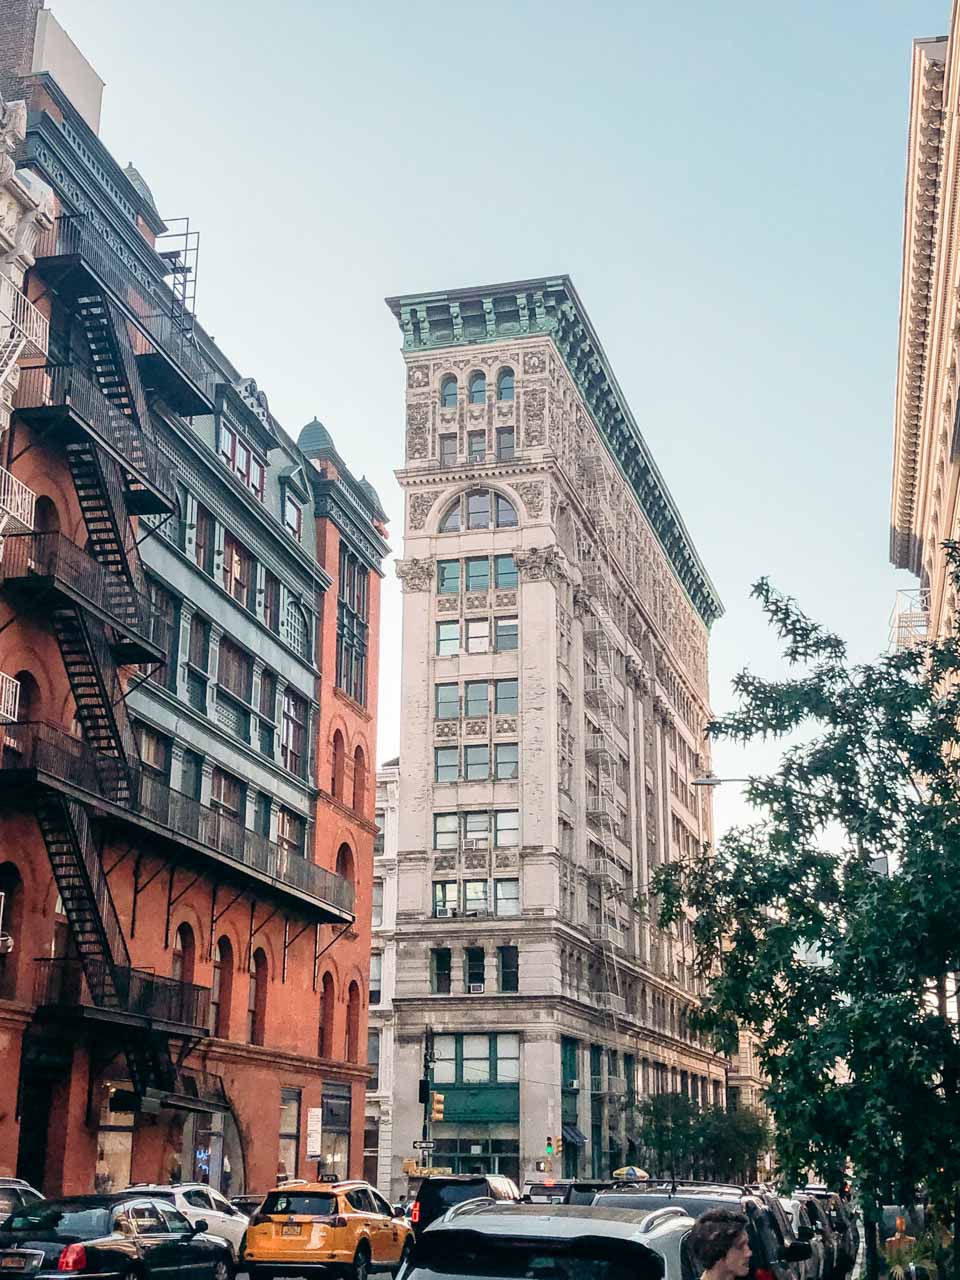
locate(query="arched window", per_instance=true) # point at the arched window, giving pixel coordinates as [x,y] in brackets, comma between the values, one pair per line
[505,385]
[257,997]
[448,392]
[336,780]
[478,387]
[450,520]
[184,954]
[345,862]
[359,779]
[353,1023]
[328,1004]
[28,705]
[478,509]
[298,630]
[11,886]
[46,517]
[221,991]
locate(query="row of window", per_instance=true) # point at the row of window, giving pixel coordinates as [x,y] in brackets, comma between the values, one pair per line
[477,826]
[353,612]
[477,446]
[476,574]
[477,698]
[480,635]
[474,766]
[476,387]
[478,509]
[250,468]
[451,897]
[476,1059]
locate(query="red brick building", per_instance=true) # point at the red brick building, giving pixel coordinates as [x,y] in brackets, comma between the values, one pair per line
[184,928]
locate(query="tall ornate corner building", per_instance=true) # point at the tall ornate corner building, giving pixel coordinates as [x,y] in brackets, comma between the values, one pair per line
[555,694]
[188,652]
[926,463]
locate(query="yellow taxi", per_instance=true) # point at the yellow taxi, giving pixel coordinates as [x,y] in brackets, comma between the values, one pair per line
[342,1228]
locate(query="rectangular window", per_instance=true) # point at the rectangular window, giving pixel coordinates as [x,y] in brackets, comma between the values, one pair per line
[376,976]
[476,762]
[373,1058]
[445,1057]
[446,764]
[199,653]
[505,444]
[444,896]
[505,634]
[446,830]
[476,446]
[226,793]
[191,777]
[506,828]
[476,1050]
[237,570]
[507,897]
[476,698]
[478,573]
[165,628]
[379,819]
[507,701]
[474,895]
[268,696]
[473,976]
[508,968]
[505,572]
[376,914]
[476,827]
[352,625]
[292,516]
[262,813]
[204,539]
[154,750]
[293,733]
[271,601]
[478,635]
[508,1057]
[448,450]
[446,701]
[448,577]
[506,761]
[235,669]
[440,973]
[291,833]
[478,509]
[290,1131]
[448,639]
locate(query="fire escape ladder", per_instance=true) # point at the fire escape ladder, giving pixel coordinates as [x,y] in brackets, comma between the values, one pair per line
[11,347]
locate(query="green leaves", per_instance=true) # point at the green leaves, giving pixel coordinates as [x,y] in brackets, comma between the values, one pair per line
[680,1139]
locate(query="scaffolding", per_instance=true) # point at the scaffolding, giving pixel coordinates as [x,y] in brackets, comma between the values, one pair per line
[909,621]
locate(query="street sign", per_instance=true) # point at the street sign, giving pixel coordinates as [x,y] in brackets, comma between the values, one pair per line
[314,1133]
[424,1144]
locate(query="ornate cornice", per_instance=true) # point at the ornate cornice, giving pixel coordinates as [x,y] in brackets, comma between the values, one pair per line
[551,306]
[333,500]
[920,235]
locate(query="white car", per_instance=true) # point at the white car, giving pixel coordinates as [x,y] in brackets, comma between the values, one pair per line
[196,1201]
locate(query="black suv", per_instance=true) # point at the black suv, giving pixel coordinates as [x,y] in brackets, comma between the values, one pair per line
[441,1192]
[844,1224]
[774,1249]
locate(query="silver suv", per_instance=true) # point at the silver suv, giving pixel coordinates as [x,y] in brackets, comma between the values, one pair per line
[198,1202]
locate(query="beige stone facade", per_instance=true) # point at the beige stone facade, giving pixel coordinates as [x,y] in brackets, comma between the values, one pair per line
[554,700]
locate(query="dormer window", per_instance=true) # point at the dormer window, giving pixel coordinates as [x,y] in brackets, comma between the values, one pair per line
[239,455]
[292,516]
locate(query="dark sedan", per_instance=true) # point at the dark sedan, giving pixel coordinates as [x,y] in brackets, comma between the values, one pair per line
[119,1237]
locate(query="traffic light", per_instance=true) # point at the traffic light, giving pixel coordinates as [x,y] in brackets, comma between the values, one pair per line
[436,1106]
[549,1147]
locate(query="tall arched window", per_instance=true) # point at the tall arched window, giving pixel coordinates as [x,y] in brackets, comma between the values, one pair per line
[184,954]
[448,392]
[353,1023]
[359,779]
[257,997]
[11,886]
[28,705]
[298,630]
[345,862]
[336,780]
[328,1004]
[46,517]
[505,384]
[478,387]
[221,992]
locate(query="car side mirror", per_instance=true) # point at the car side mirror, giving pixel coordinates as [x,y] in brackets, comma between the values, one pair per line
[797,1251]
[398,1211]
[201,1224]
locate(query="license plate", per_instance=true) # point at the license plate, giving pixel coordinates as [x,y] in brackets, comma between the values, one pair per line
[13,1263]
[290,1229]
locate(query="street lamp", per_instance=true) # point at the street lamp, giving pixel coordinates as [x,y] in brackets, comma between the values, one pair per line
[711,780]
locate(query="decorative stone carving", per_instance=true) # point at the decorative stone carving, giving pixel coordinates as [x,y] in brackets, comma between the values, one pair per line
[418,432]
[416,575]
[448,604]
[661,709]
[476,601]
[13,129]
[505,860]
[445,729]
[531,493]
[534,361]
[534,430]
[445,863]
[637,675]
[418,376]
[541,562]
[475,861]
[421,504]
[418,415]
[505,600]
[476,728]
[505,724]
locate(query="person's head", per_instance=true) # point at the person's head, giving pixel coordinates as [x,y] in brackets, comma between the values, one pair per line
[720,1235]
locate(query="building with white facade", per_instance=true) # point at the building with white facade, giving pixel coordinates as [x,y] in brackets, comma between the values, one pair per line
[554,701]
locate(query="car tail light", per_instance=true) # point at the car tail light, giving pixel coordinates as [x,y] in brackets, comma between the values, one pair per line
[73,1258]
[415,1211]
[764,1273]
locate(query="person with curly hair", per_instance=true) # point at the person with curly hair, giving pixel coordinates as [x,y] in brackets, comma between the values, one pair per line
[720,1244]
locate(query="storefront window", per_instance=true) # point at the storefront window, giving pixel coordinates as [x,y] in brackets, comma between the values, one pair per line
[335,1139]
[211,1152]
[289,1133]
[114,1142]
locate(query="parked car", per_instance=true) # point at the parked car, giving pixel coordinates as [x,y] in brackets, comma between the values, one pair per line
[438,1193]
[124,1236]
[844,1223]
[249,1202]
[322,1225]
[547,1191]
[14,1193]
[510,1241]
[819,1266]
[775,1251]
[584,1190]
[197,1201]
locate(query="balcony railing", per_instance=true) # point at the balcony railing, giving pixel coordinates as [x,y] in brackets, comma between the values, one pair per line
[17,503]
[63,983]
[75,236]
[19,312]
[9,698]
[31,557]
[66,386]
[48,750]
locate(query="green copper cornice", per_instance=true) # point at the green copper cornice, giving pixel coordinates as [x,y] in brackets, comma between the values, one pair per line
[526,308]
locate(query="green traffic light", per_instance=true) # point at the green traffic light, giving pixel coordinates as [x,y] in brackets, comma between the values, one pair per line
[549,1146]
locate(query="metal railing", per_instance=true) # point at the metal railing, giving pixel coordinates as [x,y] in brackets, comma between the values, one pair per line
[31,556]
[9,698]
[32,325]
[72,235]
[17,502]
[64,983]
[104,975]
[47,749]
[66,385]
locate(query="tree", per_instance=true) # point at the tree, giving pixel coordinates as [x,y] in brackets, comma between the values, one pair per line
[730,1144]
[829,927]
[666,1125]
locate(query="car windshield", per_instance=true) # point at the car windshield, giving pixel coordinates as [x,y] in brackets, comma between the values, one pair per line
[315,1204]
[483,1257]
[444,1195]
[62,1219]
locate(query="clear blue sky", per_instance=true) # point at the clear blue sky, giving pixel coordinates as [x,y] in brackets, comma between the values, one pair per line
[723,182]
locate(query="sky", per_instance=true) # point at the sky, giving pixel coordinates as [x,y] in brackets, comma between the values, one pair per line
[724,183]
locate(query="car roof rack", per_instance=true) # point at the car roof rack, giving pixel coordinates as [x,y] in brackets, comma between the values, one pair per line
[658,1216]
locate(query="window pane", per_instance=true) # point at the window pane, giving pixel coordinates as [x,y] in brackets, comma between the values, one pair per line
[506,826]
[475,895]
[450,522]
[507,897]
[506,755]
[476,1058]
[508,960]
[377,912]
[506,516]
[506,634]
[448,577]
[507,697]
[477,824]
[448,393]
[445,1059]
[448,450]
[475,700]
[476,762]
[448,639]
[478,635]
[445,830]
[478,509]
[506,571]
[505,384]
[505,449]
[476,445]
[508,1057]
[448,703]
[447,764]
[478,573]
[478,388]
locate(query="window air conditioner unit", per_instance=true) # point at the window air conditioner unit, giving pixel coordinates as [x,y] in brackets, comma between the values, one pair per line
[476,988]
[476,842]
[442,912]
[572,1084]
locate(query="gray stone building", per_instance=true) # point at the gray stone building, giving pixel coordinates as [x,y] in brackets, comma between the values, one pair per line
[555,694]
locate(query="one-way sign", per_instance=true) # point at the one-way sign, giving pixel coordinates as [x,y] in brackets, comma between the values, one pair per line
[424,1144]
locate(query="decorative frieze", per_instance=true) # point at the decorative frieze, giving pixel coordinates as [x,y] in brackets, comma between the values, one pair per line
[448,604]
[505,600]
[420,506]
[534,361]
[418,376]
[445,729]
[505,724]
[531,493]
[476,728]
[475,601]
